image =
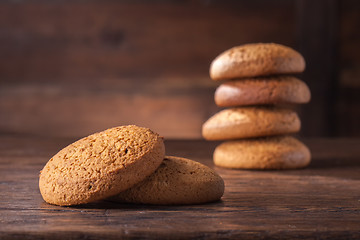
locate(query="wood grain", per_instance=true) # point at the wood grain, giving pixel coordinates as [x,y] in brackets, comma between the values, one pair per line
[72,67]
[320,20]
[77,41]
[320,202]
[176,113]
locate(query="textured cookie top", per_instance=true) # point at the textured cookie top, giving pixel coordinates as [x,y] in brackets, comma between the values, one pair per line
[262,90]
[176,181]
[101,165]
[257,59]
[279,152]
[247,122]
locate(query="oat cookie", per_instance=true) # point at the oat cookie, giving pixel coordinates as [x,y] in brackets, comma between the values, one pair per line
[262,90]
[177,181]
[248,122]
[256,59]
[280,152]
[101,165]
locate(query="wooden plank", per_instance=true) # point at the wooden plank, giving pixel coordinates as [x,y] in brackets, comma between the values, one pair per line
[318,32]
[71,113]
[348,106]
[130,47]
[320,202]
[80,41]
[71,68]
[349,47]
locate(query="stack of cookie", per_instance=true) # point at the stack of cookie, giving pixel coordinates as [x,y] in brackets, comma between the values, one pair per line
[256,124]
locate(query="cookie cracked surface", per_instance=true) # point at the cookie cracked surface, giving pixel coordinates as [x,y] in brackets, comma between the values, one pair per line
[279,152]
[262,90]
[256,59]
[250,122]
[101,165]
[177,181]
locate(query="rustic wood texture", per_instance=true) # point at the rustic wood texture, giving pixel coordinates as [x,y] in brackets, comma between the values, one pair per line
[69,68]
[320,20]
[319,202]
[72,67]
[348,95]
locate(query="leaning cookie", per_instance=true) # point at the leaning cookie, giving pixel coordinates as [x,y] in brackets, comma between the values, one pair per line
[257,59]
[101,165]
[280,152]
[249,122]
[262,90]
[177,181]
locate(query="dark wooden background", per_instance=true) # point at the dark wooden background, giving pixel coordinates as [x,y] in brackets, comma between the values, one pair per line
[69,68]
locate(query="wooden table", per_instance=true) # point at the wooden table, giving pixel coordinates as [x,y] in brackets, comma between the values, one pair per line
[320,202]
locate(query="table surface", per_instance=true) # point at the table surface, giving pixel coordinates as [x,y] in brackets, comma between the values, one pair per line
[319,202]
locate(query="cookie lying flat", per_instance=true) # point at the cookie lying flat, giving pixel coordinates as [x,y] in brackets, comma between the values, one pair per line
[247,122]
[282,152]
[177,181]
[101,165]
[262,90]
[257,59]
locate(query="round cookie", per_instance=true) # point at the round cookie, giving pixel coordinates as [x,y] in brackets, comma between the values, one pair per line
[177,181]
[101,165]
[247,122]
[262,90]
[256,59]
[280,152]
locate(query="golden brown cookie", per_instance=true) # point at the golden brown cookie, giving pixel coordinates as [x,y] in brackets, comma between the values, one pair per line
[256,59]
[262,90]
[101,165]
[247,122]
[280,152]
[177,181]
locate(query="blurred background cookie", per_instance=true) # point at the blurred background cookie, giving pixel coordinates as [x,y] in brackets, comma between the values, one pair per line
[279,152]
[256,59]
[262,90]
[247,122]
